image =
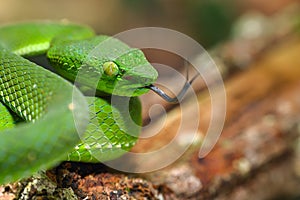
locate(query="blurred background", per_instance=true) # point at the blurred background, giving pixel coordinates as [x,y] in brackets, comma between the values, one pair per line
[208,21]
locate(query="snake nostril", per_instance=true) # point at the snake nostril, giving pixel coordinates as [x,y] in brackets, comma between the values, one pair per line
[128,78]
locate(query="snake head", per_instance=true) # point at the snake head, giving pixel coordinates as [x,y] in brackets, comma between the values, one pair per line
[135,74]
[104,63]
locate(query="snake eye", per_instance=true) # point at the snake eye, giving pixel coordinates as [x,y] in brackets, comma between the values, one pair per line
[110,68]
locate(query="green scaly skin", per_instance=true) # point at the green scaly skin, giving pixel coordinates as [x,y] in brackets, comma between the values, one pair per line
[28,90]
[56,112]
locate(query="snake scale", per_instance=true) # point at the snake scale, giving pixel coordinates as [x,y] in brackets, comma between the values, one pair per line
[44,118]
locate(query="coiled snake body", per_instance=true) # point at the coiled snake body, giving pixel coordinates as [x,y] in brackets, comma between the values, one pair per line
[62,123]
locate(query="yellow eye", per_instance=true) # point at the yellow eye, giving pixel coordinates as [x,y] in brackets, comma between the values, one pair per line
[110,68]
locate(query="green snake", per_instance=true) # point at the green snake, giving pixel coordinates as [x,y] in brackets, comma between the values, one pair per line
[44,118]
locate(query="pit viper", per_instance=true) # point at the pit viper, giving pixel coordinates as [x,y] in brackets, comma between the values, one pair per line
[44,118]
